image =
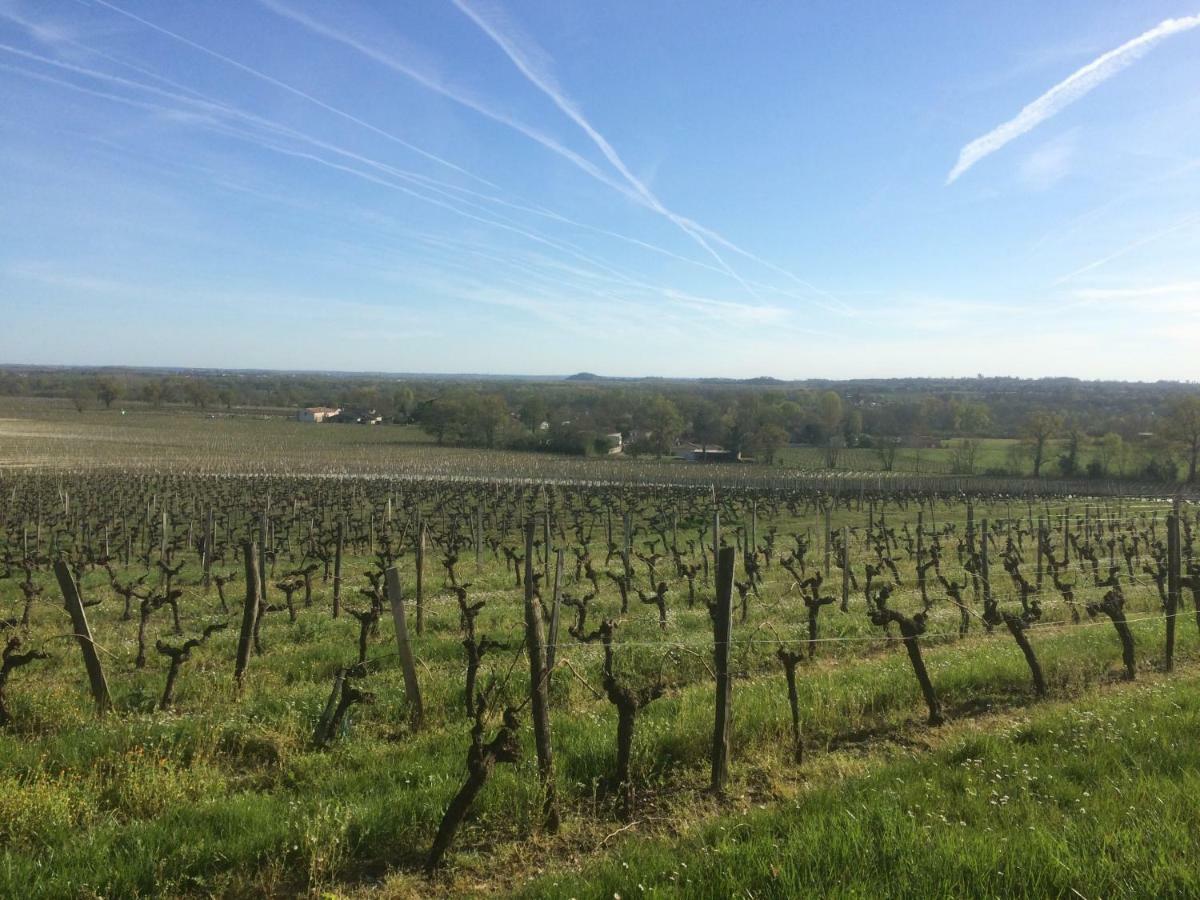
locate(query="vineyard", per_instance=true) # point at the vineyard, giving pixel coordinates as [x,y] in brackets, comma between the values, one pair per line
[222,684]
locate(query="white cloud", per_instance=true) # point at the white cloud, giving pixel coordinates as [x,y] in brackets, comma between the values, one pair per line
[1067,92]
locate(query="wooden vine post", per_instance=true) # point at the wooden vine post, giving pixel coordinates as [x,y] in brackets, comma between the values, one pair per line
[983,563]
[721,611]
[1041,552]
[262,558]
[249,612]
[845,568]
[555,610]
[209,538]
[420,576]
[411,688]
[479,538]
[1173,556]
[828,535]
[83,634]
[716,537]
[337,571]
[539,704]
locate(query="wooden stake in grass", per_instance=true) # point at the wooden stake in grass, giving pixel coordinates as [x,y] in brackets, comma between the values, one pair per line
[1172,585]
[249,612]
[83,633]
[337,571]
[555,609]
[420,579]
[721,612]
[411,688]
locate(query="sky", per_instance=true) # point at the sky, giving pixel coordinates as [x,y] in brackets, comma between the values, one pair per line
[678,188]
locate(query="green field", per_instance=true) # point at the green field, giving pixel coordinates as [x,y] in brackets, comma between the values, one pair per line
[1086,792]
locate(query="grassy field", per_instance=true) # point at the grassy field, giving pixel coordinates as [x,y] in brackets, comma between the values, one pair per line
[225,795]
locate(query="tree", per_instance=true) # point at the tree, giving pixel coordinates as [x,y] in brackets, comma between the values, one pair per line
[1110,451]
[200,393]
[1068,462]
[964,457]
[829,411]
[969,418]
[1040,426]
[1183,425]
[489,413]
[707,427]
[153,392]
[437,417]
[108,390]
[886,448]
[82,397]
[853,427]
[767,441]
[532,411]
[662,424]
[403,402]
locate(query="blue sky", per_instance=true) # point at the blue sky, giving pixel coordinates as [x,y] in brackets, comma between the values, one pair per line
[674,188]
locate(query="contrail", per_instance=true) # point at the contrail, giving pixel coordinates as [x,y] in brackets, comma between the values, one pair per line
[209,105]
[1067,92]
[425,80]
[602,274]
[632,189]
[262,76]
[532,62]
[1133,245]
[689,226]
[438,86]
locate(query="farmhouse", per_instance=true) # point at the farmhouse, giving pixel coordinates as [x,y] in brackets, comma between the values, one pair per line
[316,414]
[697,453]
[357,416]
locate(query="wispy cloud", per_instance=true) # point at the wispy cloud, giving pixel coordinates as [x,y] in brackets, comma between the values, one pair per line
[1132,245]
[1067,92]
[535,64]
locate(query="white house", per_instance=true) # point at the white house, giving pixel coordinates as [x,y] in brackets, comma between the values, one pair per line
[316,414]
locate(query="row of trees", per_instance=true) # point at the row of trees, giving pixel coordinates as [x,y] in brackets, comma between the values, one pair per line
[653,424]
[1061,426]
[1179,431]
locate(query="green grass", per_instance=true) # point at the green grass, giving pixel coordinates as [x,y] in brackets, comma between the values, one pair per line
[1094,798]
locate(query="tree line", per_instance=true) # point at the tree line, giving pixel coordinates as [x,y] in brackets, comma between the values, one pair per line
[1062,427]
